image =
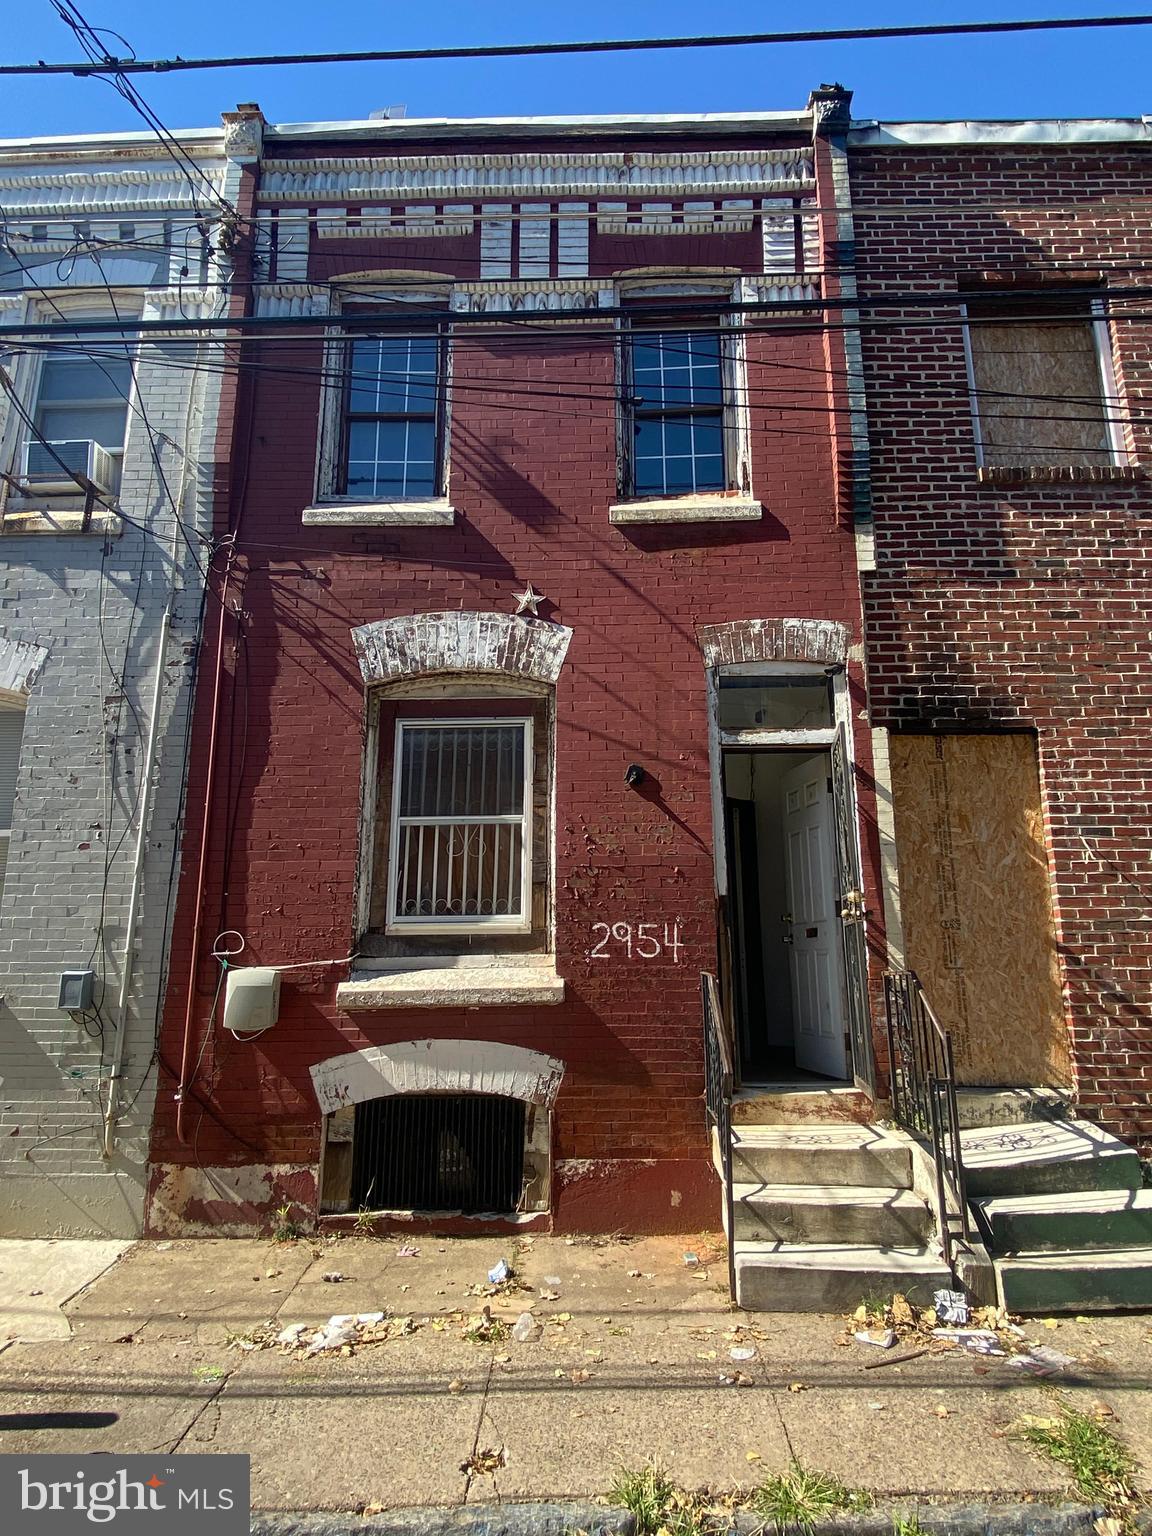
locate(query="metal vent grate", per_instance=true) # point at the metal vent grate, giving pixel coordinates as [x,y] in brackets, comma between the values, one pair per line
[439,1152]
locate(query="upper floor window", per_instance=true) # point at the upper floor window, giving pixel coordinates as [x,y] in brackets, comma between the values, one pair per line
[72,424]
[83,395]
[677,410]
[1042,384]
[392,439]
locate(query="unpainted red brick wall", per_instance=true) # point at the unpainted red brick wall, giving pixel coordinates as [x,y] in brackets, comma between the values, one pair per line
[997,606]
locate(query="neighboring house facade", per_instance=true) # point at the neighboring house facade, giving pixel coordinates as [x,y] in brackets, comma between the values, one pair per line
[108,450]
[538,690]
[1007,613]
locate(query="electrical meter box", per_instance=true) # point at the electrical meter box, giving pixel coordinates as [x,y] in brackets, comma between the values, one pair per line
[251,999]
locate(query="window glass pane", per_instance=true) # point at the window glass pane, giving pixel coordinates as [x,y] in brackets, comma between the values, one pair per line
[460,871]
[391,458]
[393,375]
[775,703]
[103,424]
[462,770]
[677,455]
[676,369]
[82,379]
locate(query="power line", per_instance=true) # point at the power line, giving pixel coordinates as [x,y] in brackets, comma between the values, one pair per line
[134,65]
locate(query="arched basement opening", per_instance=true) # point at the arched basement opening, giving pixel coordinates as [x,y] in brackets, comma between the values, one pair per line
[437,1128]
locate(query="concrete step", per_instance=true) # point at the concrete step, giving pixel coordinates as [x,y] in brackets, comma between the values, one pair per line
[1094,1280]
[821,1154]
[831,1213]
[805,1277]
[1095,1218]
[779,1105]
[1011,1106]
[1046,1158]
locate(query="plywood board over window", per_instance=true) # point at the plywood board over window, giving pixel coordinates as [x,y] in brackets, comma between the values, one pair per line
[976,903]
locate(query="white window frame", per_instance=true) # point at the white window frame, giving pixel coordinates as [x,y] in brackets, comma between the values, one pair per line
[330,438]
[12,704]
[1096,315]
[397,925]
[27,368]
[639,325]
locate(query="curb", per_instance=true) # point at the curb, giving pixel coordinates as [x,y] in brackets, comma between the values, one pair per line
[552,1519]
[563,1518]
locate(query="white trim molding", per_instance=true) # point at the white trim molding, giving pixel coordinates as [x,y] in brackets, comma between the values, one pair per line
[437,1066]
[417,644]
[816,640]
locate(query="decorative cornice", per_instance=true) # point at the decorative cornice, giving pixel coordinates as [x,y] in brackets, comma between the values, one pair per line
[437,176]
[513,297]
[73,194]
[292,299]
[728,216]
[419,221]
[422,644]
[815,640]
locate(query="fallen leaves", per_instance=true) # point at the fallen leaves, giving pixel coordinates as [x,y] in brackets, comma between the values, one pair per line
[489,1460]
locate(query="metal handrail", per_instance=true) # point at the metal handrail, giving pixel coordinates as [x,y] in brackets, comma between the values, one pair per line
[923,1091]
[718,1079]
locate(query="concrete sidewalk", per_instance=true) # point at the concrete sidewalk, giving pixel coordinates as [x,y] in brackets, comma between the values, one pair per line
[629,1368]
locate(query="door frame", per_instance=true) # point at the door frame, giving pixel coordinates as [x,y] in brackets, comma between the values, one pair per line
[824,739]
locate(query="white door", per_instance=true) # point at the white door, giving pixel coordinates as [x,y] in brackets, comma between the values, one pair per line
[813,927]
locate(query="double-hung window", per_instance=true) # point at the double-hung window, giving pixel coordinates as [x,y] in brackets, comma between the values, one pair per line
[84,394]
[460,844]
[392,438]
[676,411]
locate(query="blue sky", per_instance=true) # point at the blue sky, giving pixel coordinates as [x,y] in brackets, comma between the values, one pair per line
[1092,74]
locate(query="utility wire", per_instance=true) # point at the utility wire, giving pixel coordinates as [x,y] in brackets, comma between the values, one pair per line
[134,65]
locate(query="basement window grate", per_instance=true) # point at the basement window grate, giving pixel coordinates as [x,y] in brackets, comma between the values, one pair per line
[439,1152]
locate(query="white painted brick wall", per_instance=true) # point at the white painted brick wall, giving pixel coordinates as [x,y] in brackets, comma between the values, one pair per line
[64,593]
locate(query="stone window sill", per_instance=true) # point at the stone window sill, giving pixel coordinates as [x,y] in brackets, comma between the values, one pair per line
[435,512]
[712,507]
[1060,474]
[496,981]
[37,520]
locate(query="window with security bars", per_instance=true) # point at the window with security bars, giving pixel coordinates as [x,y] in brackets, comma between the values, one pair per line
[676,401]
[460,855]
[393,418]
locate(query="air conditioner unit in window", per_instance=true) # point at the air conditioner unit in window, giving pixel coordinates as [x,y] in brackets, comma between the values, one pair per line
[43,472]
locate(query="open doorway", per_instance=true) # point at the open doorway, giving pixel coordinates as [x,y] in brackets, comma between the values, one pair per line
[788,978]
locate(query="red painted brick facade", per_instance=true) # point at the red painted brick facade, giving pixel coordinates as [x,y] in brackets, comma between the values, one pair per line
[532,479]
[1022,606]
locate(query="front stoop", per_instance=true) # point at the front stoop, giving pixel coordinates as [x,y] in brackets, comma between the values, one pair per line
[825,1215]
[1066,1221]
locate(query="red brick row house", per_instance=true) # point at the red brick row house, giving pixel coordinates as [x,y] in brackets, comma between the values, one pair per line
[577,464]
[539,627]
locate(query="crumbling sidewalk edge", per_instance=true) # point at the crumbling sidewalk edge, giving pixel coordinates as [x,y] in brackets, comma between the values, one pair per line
[566,1519]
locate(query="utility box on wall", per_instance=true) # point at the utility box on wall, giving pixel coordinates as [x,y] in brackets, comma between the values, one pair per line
[251,999]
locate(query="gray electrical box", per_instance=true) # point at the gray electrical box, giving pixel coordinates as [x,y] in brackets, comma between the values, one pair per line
[251,999]
[77,989]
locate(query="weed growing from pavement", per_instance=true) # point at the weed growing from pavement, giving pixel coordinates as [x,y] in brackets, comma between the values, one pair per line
[801,1497]
[646,1494]
[365,1223]
[907,1527]
[285,1229]
[1101,1466]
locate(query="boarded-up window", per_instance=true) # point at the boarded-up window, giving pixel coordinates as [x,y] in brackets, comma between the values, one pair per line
[976,904]
[1037,379]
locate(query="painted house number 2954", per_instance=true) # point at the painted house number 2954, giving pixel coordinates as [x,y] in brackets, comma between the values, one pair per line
[639,941]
